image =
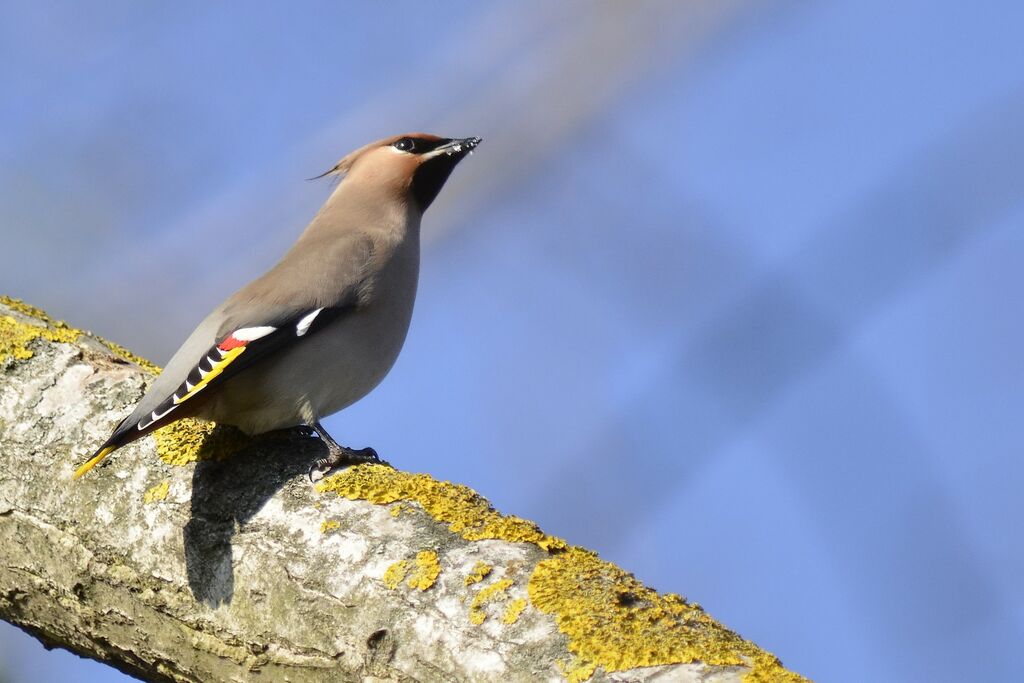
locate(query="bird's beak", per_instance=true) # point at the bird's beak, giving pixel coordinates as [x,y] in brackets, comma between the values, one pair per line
[460,147]
[436,165]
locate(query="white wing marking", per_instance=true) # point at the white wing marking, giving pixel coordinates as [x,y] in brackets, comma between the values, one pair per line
[155,416]
[249,334]
[303,326]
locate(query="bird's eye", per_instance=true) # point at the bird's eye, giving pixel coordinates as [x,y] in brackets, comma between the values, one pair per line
[405,145]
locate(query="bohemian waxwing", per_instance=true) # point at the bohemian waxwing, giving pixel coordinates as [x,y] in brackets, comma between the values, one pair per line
[321,328]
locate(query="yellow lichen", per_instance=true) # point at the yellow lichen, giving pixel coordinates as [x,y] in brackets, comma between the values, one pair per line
[496,592]
[396,509]
[189,440]
[25,309]
[513,610]
[577,670]
[479,573]
[395,574]
[157,493]
[426,571]
[768,669]
[16,336]
[124,353]
[614,621]
[329,525]
[465,511]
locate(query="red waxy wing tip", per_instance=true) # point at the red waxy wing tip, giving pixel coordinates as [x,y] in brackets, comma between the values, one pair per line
[231,343]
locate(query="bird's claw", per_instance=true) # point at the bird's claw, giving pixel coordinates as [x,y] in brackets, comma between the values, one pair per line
[344,456]
[319,469]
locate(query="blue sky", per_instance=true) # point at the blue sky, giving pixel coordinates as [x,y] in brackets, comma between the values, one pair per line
[729,293]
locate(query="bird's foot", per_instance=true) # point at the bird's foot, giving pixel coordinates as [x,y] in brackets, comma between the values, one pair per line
[338,456]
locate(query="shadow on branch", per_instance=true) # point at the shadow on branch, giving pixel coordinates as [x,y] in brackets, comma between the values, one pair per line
[228,493]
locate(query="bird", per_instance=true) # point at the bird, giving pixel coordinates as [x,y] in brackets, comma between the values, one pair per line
[321,328]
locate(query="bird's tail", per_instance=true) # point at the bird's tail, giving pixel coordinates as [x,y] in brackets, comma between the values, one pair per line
[94,460]
[122,436]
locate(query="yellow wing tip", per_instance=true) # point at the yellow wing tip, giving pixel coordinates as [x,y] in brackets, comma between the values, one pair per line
[93,461]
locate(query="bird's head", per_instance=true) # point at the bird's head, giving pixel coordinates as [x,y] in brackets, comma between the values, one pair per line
[415,164]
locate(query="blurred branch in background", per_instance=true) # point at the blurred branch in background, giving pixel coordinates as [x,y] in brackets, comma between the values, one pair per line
[750,351]
[515,68]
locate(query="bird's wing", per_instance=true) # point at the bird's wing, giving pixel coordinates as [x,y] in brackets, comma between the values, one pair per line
[230,355]
[284,307]
[237,350]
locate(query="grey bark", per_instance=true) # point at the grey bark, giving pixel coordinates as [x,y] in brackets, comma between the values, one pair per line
[226,571]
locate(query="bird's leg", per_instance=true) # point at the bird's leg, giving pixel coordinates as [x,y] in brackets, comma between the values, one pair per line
[299,431]
[302,431]
[337,455]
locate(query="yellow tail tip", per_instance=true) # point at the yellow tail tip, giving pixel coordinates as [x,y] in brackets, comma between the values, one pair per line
[93,461]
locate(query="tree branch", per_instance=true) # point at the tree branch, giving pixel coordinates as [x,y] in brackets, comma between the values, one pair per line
[237,569]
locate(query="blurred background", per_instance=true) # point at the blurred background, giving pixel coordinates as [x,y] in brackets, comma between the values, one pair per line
[727,294]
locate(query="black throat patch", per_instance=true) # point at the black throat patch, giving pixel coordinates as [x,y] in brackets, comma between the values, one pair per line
[430,177]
